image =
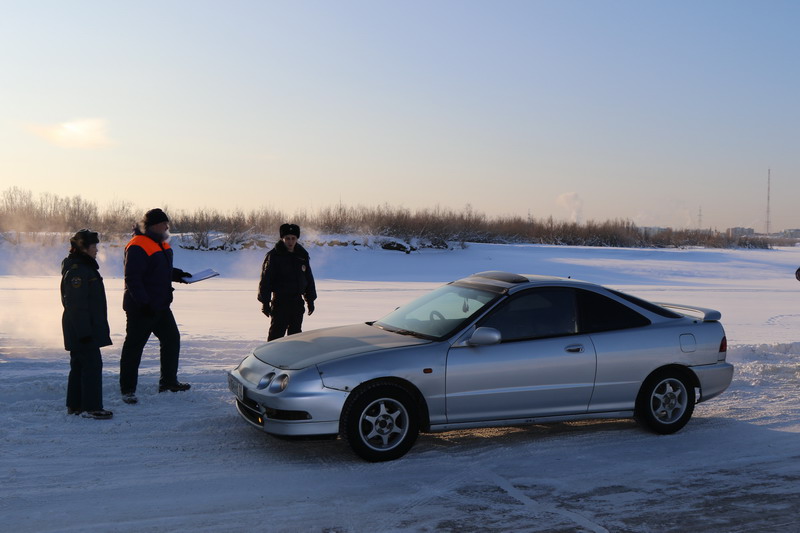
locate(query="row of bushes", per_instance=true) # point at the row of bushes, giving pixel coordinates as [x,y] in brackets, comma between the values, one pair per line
[20,211]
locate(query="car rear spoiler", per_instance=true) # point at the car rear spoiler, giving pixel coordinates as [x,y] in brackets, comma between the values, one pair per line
[709,315]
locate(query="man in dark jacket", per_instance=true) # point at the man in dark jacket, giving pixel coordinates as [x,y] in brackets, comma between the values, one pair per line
[148,294]
[286,280]
[85,326]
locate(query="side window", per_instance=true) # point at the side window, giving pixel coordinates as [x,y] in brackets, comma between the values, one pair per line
[535,314]
[600,313]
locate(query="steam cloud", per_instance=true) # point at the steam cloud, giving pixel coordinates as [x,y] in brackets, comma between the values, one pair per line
[573,204]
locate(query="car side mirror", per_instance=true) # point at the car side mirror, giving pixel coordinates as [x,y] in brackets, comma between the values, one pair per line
[485,337]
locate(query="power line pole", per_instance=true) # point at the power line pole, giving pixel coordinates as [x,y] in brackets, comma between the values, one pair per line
[769,178]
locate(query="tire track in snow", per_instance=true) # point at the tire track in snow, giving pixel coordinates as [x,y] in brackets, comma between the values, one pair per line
[778,319]
[539,508]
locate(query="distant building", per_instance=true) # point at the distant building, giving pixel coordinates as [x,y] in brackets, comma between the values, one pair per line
[740,232]
[651,231]
[792,233]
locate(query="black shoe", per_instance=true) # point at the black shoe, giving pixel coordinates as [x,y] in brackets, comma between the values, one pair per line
[100,414]
[174,387]
[71,411]
[130,399]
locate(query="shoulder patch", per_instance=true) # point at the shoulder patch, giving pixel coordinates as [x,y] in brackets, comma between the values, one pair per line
[76,282]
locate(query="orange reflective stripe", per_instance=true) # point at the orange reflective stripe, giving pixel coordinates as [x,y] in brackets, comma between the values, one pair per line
[147,244]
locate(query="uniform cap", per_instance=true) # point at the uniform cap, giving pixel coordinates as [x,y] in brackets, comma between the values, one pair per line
[290,229]
[84,238]
[154,216]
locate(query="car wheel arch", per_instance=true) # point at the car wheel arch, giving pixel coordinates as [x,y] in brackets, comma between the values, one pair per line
[422,405]
[684,370]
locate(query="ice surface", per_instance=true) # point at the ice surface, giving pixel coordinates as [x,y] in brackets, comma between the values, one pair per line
[186,461]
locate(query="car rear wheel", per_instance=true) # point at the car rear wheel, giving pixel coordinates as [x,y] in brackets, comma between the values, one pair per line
[380,422]
[666,402]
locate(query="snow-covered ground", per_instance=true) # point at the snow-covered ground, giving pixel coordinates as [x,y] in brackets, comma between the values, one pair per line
[187,461]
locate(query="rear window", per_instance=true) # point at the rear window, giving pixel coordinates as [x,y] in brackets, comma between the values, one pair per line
[644,304]
[600,313]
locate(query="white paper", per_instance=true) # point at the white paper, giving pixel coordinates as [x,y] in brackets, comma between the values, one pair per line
[200,276]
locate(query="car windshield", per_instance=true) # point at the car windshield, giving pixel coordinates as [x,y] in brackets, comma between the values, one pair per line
[438,314]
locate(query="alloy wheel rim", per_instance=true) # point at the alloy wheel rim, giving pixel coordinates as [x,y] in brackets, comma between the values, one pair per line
[669,401]
[383,424]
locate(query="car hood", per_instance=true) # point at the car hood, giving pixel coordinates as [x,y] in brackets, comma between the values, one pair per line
[321,345]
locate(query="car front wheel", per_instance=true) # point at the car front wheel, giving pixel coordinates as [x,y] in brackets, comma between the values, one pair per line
[380,422]
[666,402]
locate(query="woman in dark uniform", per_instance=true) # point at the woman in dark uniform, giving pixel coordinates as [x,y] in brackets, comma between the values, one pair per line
[85,326]
[286,280]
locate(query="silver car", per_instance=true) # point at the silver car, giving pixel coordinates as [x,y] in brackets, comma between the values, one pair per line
[492,349]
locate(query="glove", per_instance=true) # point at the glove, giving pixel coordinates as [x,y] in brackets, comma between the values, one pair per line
[310,307]
[147,310]
[178,275]
[266,309]
[85,340]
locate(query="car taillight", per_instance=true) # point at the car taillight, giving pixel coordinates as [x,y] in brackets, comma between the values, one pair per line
[723,349]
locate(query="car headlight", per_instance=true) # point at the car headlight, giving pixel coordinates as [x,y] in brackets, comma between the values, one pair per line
[279,383]
[265,381]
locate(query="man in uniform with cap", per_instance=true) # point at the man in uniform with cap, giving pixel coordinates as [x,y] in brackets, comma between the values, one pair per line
[286,280]
[148,294]
[85,326]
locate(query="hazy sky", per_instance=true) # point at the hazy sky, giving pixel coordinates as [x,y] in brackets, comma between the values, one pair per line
[641,110]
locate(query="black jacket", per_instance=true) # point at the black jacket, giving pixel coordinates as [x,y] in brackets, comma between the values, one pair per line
[286,274]
[148,273]
[83,295]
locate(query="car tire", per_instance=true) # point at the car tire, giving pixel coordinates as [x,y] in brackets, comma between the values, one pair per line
[380,422]
[666,402]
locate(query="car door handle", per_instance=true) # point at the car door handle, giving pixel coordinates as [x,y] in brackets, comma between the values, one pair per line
[574,348]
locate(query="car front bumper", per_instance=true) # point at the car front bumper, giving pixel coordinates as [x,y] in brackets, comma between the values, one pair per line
[304,408]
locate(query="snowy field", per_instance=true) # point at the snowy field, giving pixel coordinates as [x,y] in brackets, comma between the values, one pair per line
[187,461]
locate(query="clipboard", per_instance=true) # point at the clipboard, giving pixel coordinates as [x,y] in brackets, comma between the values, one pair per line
[200,276]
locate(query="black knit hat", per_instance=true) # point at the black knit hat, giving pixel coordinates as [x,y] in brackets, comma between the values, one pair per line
[290,229]
[83,239]
[154,216]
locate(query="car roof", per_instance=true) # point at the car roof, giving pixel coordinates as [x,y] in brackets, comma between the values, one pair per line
[510,282]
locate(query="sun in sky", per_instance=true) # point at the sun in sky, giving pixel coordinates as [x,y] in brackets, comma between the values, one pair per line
[82,133]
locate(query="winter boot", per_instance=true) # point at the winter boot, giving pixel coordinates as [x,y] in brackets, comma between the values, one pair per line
[100,414]
[130,399]
[174,387]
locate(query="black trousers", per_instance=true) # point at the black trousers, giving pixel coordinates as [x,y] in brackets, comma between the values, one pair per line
[85,382]
[287,317]
[137,331]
